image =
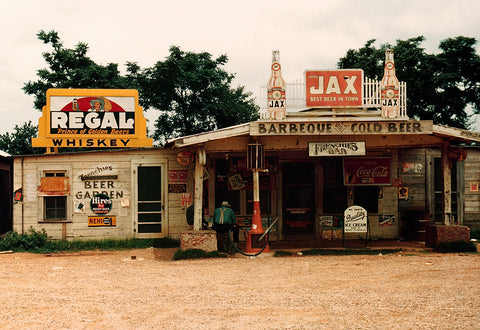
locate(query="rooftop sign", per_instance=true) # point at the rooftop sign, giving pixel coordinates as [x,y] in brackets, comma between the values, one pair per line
[334,88]
[92,118]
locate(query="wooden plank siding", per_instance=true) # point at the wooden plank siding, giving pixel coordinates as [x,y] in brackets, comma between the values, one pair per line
[29,213]
[472,198]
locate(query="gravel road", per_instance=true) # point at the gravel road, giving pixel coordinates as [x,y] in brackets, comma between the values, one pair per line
[113,290]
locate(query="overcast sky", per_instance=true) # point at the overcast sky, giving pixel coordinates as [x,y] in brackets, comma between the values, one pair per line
[308,34]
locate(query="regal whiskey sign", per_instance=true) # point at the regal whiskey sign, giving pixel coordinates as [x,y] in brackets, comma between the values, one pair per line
[92,118]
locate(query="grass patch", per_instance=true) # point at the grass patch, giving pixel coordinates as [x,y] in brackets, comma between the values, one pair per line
[282,253]
[475,234]
[335,252]
[347,252]
[38,242]
[457,246]
[197,254]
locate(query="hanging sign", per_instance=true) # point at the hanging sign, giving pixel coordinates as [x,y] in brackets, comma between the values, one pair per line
[75,118]
[185,157]
[355,220]
[457,154]
[334,88]
[336,149]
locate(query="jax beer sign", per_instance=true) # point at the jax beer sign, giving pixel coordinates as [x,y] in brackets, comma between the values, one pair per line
[92,118]
[334,88]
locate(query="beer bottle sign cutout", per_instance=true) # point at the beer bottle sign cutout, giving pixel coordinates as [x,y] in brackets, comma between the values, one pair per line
[390,96]
[276,90]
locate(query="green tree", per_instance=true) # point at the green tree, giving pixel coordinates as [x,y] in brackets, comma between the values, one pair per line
[191,90]
[19,142]
[193,94]
[439,87]
[71,68]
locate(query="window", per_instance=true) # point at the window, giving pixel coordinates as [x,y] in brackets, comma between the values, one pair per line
[54,174]
[334,192]
[54,187]
[55,207]
[366,197]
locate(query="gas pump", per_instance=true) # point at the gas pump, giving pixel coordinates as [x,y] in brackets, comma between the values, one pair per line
[255,241]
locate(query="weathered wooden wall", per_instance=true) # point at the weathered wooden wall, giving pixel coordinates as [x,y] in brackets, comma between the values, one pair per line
[472,197]
[29,213]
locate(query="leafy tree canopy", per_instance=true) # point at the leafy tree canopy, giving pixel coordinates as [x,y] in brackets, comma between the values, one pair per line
[439,86]
[71,68]
[19,142]
[193,93]
[191,90]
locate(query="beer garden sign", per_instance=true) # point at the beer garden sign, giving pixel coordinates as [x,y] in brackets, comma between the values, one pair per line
[92,118]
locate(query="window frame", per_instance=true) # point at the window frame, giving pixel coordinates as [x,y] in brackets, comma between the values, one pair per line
[65,198]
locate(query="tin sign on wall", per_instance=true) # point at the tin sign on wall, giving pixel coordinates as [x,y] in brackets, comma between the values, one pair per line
[101,204]
[334,88]
[336,149]
[367,171]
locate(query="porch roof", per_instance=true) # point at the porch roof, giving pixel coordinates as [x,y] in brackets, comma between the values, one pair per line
[251,129]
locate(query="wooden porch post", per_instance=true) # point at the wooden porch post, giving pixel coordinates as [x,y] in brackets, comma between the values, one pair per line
[200,161]
[446,186]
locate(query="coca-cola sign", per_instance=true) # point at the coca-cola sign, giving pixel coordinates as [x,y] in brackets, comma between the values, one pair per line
[366,171]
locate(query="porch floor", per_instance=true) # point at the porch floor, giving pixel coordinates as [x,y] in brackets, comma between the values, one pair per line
[374,244]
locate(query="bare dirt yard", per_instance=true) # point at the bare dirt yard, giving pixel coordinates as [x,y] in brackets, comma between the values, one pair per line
[111,290]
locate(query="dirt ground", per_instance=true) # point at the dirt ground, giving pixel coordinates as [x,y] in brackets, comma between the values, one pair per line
[111,290]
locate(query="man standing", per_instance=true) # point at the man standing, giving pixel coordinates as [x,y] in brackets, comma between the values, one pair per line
[223,220]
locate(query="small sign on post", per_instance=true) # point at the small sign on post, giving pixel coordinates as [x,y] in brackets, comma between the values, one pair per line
[355,221]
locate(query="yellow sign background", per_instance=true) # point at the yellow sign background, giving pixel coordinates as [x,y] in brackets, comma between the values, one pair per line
[74,138]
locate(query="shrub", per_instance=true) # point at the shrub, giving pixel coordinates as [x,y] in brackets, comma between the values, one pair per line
[31,240]
[282,253]
[196,254]
[38,242]
[346,252]
[456,246]
[475,234]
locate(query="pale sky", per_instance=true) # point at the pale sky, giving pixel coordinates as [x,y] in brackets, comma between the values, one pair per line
[309,35]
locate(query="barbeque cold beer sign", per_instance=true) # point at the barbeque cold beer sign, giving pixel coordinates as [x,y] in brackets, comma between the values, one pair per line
[92,118]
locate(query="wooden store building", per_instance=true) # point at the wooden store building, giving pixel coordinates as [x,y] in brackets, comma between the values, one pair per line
[302,165]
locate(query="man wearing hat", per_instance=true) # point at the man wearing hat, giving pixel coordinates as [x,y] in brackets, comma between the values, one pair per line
[223,220]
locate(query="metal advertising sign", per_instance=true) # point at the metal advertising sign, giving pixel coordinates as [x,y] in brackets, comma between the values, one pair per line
[336,149]
[110,221]
[355,220]
[92,118]
[366,171]
[101,204]
[334,88]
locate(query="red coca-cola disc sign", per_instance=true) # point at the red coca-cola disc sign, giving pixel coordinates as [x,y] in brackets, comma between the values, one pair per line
[367,171]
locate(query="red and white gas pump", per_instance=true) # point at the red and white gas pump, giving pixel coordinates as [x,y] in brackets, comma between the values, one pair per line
[255,161]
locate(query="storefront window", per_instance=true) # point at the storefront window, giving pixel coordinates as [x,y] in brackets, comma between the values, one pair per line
[334,191]
[366,197]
